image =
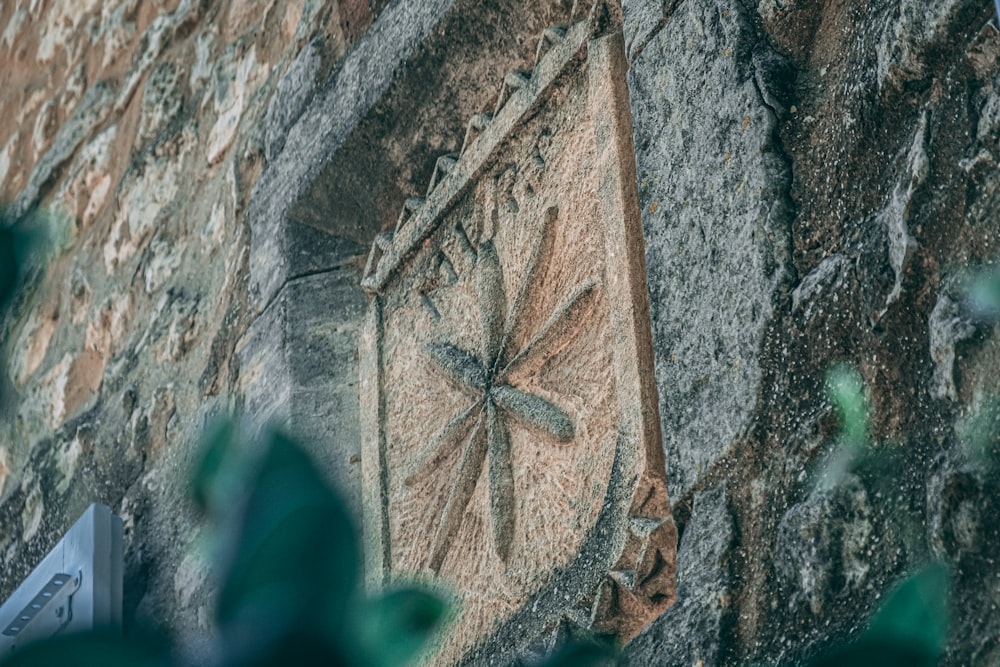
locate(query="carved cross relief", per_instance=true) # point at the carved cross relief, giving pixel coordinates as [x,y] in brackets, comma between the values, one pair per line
[511,442]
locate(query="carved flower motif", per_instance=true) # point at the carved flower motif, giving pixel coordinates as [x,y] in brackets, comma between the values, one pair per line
[482,429]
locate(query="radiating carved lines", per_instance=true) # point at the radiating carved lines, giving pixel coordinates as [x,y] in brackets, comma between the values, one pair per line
[446,439]
[542,248]
[482,430]
[461,493]
[560,325]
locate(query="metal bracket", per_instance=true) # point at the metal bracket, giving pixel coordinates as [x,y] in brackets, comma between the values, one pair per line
[48,612]
[77,587]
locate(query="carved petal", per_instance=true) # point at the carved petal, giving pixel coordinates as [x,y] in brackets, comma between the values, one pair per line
[543,248]
[492,300]
[461,493]
[463,368]
[535,410]
[501,481]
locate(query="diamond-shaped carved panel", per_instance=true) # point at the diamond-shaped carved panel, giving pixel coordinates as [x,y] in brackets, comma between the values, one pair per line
[512,447]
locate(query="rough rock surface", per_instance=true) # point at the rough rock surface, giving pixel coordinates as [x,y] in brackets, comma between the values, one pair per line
[138,127]
[308,383]
[694,631]
[814,178]
[713,188]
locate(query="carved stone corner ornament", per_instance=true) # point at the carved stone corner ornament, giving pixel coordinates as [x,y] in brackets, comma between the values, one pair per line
[511,445]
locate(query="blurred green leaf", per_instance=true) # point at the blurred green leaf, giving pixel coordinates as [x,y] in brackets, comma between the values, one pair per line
[583,654]
[909,629]
[295,563]
[216,476]
[915,613]
[91,650]
[846,390]
[980,434]
[22,245]
[8,265]
[872,652]
[394,628]
[290,571]
[983,295]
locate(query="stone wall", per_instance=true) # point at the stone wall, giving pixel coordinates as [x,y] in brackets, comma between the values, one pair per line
[141,128]
[813,177]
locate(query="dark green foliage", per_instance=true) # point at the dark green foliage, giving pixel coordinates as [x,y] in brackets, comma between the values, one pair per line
[983,295]
[406,617]
[289,562]
[981,436]
[292,567]
[22,246]
[915,613]
[846,391]
[216,476]
[290,590]
[8,265]
[868,652]
[909,629]
[583,654]
[92,650]
[911,625]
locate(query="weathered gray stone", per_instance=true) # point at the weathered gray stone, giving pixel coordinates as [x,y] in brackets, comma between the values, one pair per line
[300,371]
[308,18]
[911,32]
[360,80]
[161,100]
[696,630]
[156,38]
[713,188]
[828,275]
[896,215]
[93,109]
[311,250]
[963,501]
[825,548]
[290,98]
[641,19]
[957,509]
[947,327]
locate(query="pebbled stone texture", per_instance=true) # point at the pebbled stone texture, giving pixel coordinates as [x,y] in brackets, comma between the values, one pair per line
[713,187]
[290,97]
[825,547]
[641,20]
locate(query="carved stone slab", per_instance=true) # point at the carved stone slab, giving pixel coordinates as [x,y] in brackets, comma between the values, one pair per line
[511,439]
